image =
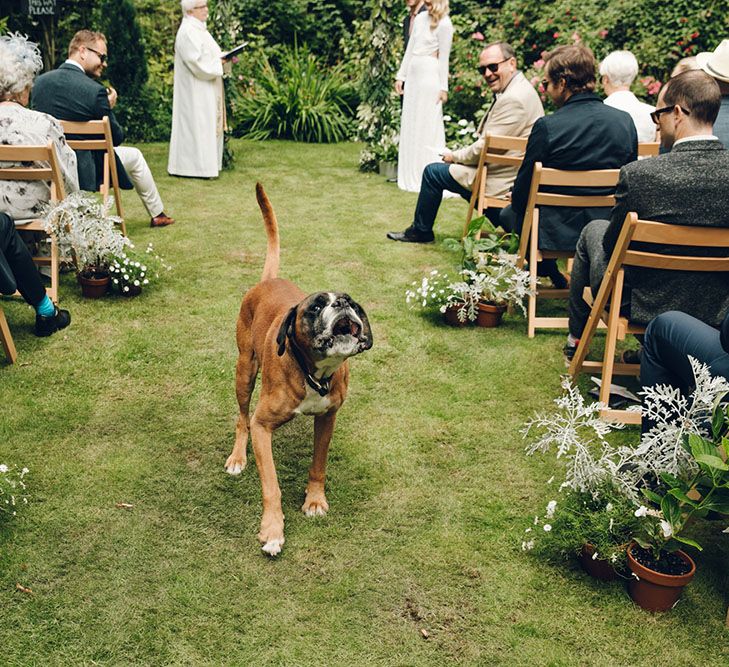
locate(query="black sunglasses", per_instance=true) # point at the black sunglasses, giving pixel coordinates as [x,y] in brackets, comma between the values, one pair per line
[102,56]
[655,115]
[491,67]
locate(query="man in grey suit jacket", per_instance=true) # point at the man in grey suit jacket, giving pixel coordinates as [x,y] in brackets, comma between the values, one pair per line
[687,186]
[515,109]
[71,93]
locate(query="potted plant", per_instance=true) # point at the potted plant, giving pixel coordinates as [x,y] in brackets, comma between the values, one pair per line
[677,472]
[84,230]
[134,270]
[486,282]
[386,150]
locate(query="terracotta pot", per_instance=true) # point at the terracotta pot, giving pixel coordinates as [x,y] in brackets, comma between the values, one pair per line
[598,568]
[451,316]
[93,287]
[655,591]
[489,315]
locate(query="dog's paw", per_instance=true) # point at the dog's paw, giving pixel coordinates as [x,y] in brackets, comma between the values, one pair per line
[315,505]
[235,465]
[273,548]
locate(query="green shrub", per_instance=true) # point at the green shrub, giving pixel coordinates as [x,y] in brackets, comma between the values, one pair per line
[297,99]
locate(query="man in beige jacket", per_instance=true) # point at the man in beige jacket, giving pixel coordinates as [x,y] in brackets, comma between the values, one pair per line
[515,108]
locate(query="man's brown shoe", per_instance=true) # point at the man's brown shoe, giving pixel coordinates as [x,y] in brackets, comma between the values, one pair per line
[161,220]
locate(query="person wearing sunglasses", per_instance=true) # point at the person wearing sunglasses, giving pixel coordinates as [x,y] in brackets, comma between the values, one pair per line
[686,186]
[72,92]
[582,134]
[514,109]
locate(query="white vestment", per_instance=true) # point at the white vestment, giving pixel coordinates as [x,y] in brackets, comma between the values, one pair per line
[198,109]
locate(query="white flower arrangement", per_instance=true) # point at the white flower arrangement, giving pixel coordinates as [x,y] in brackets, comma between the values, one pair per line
[84,229]
[496,279]
[12,489]
[133,270]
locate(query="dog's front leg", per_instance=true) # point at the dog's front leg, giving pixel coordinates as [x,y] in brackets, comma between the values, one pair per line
[271,534]
[315,503]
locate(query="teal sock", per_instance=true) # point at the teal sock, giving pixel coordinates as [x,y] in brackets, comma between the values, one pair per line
[45,308]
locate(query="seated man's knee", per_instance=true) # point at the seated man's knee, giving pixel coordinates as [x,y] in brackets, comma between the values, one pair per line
[7,227]
[430,173]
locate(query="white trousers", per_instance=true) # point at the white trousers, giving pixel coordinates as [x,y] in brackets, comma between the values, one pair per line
[141,177]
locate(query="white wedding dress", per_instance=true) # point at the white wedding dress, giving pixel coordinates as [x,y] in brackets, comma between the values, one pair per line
[424,70]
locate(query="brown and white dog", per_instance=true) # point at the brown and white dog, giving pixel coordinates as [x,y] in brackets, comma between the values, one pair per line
[301,344]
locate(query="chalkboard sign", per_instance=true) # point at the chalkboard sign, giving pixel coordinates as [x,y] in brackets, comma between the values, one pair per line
[41,7]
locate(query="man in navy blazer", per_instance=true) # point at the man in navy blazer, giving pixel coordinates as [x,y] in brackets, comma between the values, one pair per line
[72,93]
[582,134]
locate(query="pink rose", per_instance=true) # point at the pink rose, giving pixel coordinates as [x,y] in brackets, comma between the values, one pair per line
[556,35]
[477,36]
[539,63]
[603,34]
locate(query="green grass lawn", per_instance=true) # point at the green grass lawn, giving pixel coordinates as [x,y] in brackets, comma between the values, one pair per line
[429,488]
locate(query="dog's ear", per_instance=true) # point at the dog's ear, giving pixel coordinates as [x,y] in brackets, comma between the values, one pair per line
[366,334]
[286,325]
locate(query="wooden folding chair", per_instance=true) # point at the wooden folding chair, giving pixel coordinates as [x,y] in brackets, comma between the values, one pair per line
[611,290]
[544,177]
[6,339]
[497,149]
[30,166]
[648,148]
[99,139]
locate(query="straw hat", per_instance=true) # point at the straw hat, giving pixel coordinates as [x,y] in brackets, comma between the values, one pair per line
[716,63]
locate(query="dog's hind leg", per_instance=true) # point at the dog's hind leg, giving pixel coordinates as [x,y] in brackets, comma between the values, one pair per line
[271,535]
[316,503]
[246,371]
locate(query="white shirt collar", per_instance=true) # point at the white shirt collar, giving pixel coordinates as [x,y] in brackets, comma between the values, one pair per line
[69,61]
[697,137]
[620,93]
[201,25]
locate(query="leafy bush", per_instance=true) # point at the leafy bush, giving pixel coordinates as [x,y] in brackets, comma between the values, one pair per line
[299,99]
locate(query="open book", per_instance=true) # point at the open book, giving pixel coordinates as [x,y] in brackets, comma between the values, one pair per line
[227,55]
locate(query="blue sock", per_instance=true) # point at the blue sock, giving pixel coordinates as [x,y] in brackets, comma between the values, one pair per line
[45,308]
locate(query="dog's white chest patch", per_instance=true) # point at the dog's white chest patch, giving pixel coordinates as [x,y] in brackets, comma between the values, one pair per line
[313,403]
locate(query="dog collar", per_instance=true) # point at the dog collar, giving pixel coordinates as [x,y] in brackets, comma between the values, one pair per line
[322,386]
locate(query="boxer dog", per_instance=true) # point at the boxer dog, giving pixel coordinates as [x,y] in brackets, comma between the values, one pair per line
[301,345]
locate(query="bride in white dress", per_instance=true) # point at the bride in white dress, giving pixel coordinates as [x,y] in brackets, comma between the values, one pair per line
[424,71]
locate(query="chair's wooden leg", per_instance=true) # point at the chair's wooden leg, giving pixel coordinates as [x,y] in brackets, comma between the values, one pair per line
[532,303]
[55,271]
[611,340]
[6,338]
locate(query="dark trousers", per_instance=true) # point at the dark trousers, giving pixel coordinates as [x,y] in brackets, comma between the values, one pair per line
[669,339]
[436,179]
[512,222]
[17,270]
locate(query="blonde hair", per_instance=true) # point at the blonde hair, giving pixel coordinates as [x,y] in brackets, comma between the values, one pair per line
[87,38]
[437,9]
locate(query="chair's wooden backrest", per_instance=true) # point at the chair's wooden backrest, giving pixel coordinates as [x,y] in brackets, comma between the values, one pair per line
[38,156]
[677,236]
[547,176]
[95,132]
[648,148]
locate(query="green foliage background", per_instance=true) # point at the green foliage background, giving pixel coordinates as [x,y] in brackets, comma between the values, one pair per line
[362,40]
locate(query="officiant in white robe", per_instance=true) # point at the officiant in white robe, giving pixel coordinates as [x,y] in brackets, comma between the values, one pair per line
[198,106]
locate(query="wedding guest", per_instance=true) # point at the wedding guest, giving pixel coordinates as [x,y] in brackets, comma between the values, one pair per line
[71,93]
[17,271]
[414,8]
[424,75]
[515,108]
[618,71]
[20,61]
[716,65]
[198,105]
[582,134]
[686,186]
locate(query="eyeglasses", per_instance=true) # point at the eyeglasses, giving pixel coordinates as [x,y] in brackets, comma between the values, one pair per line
[655,115]
[491,67]
[544,83]
[102,56]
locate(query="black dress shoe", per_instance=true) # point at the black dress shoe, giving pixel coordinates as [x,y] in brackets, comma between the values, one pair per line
[412,235]
[45,326]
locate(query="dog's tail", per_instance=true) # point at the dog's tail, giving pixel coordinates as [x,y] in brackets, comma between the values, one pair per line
[270,268]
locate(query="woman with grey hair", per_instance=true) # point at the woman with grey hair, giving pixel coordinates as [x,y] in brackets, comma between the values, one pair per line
[198,107]
[617,72]
[20,61]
